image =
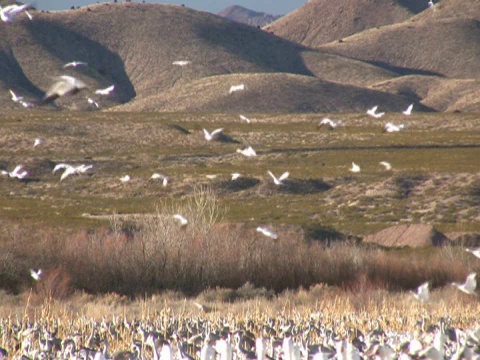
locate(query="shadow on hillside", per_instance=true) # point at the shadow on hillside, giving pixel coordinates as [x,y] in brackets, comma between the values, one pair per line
[12,74]
[368,148]
[231,186]
[67,45]
[295,187]
[402,70]
[256,46]
[414,6]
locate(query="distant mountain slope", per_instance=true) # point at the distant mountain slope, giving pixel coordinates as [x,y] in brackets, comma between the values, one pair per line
[436,92]
[247,16]
[134,45]
[321,21]
[267,93]
[443,42]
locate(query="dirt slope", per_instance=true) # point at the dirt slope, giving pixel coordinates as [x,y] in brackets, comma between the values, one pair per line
[321,21]
[436,92]
[442,42]
[133,46]
[267,93]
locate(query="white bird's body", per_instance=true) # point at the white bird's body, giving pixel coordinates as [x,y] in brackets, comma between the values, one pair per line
[248,152]
[431,5]
[105,91]
[9,12]
[235,176]
[373,112]
[422,292]
[246,119]
[330,123]
[213,135]
[26,104]
[74,64]
[408,111]
[211,176]
[71,170]
[65,85]
[278,181]
[37,142]
[355,168]
[181,62]
[475,252]
[125,178]
[386,165]
[93,102]
[235,88]
[160,176]
[15,98]
[181,219]
[469,285]
[267,232]
[36,275]
[389,127]
[16,172]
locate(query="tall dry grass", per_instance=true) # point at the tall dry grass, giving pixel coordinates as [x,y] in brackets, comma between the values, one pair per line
[148,254]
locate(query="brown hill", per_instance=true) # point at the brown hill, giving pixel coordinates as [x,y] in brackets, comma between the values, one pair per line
[416,235]
[133,46]
[440,94]
[442,42]
[321,21]
[247,16]
[274,92]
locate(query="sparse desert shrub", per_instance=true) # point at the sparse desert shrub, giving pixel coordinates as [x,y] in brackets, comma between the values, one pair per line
[147,254]
[405,184]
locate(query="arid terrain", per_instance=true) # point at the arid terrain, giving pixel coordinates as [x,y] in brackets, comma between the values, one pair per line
[164,237]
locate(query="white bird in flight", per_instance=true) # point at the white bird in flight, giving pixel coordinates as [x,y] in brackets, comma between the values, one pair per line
[389,127]
[469,285]
[246,119]
[16,172]
[74,64]
[267,232]
[26,104]
[105,91]
[422,292]
[36,275]
[408,111]
[248,152]
[373,112]
[125,178]
[181,219]
[93,102]
[278,181]
[160,176]
[65,85]
[475,252]
[71,170]
[213,135]
[235,176]
[8,13]
[181,62]
[235,88]
[37,142]
[211,177]
[15,98]
[386,165]
[330,123]
[355,168]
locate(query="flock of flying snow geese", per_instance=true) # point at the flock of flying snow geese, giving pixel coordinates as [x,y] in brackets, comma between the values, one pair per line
[69,85]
